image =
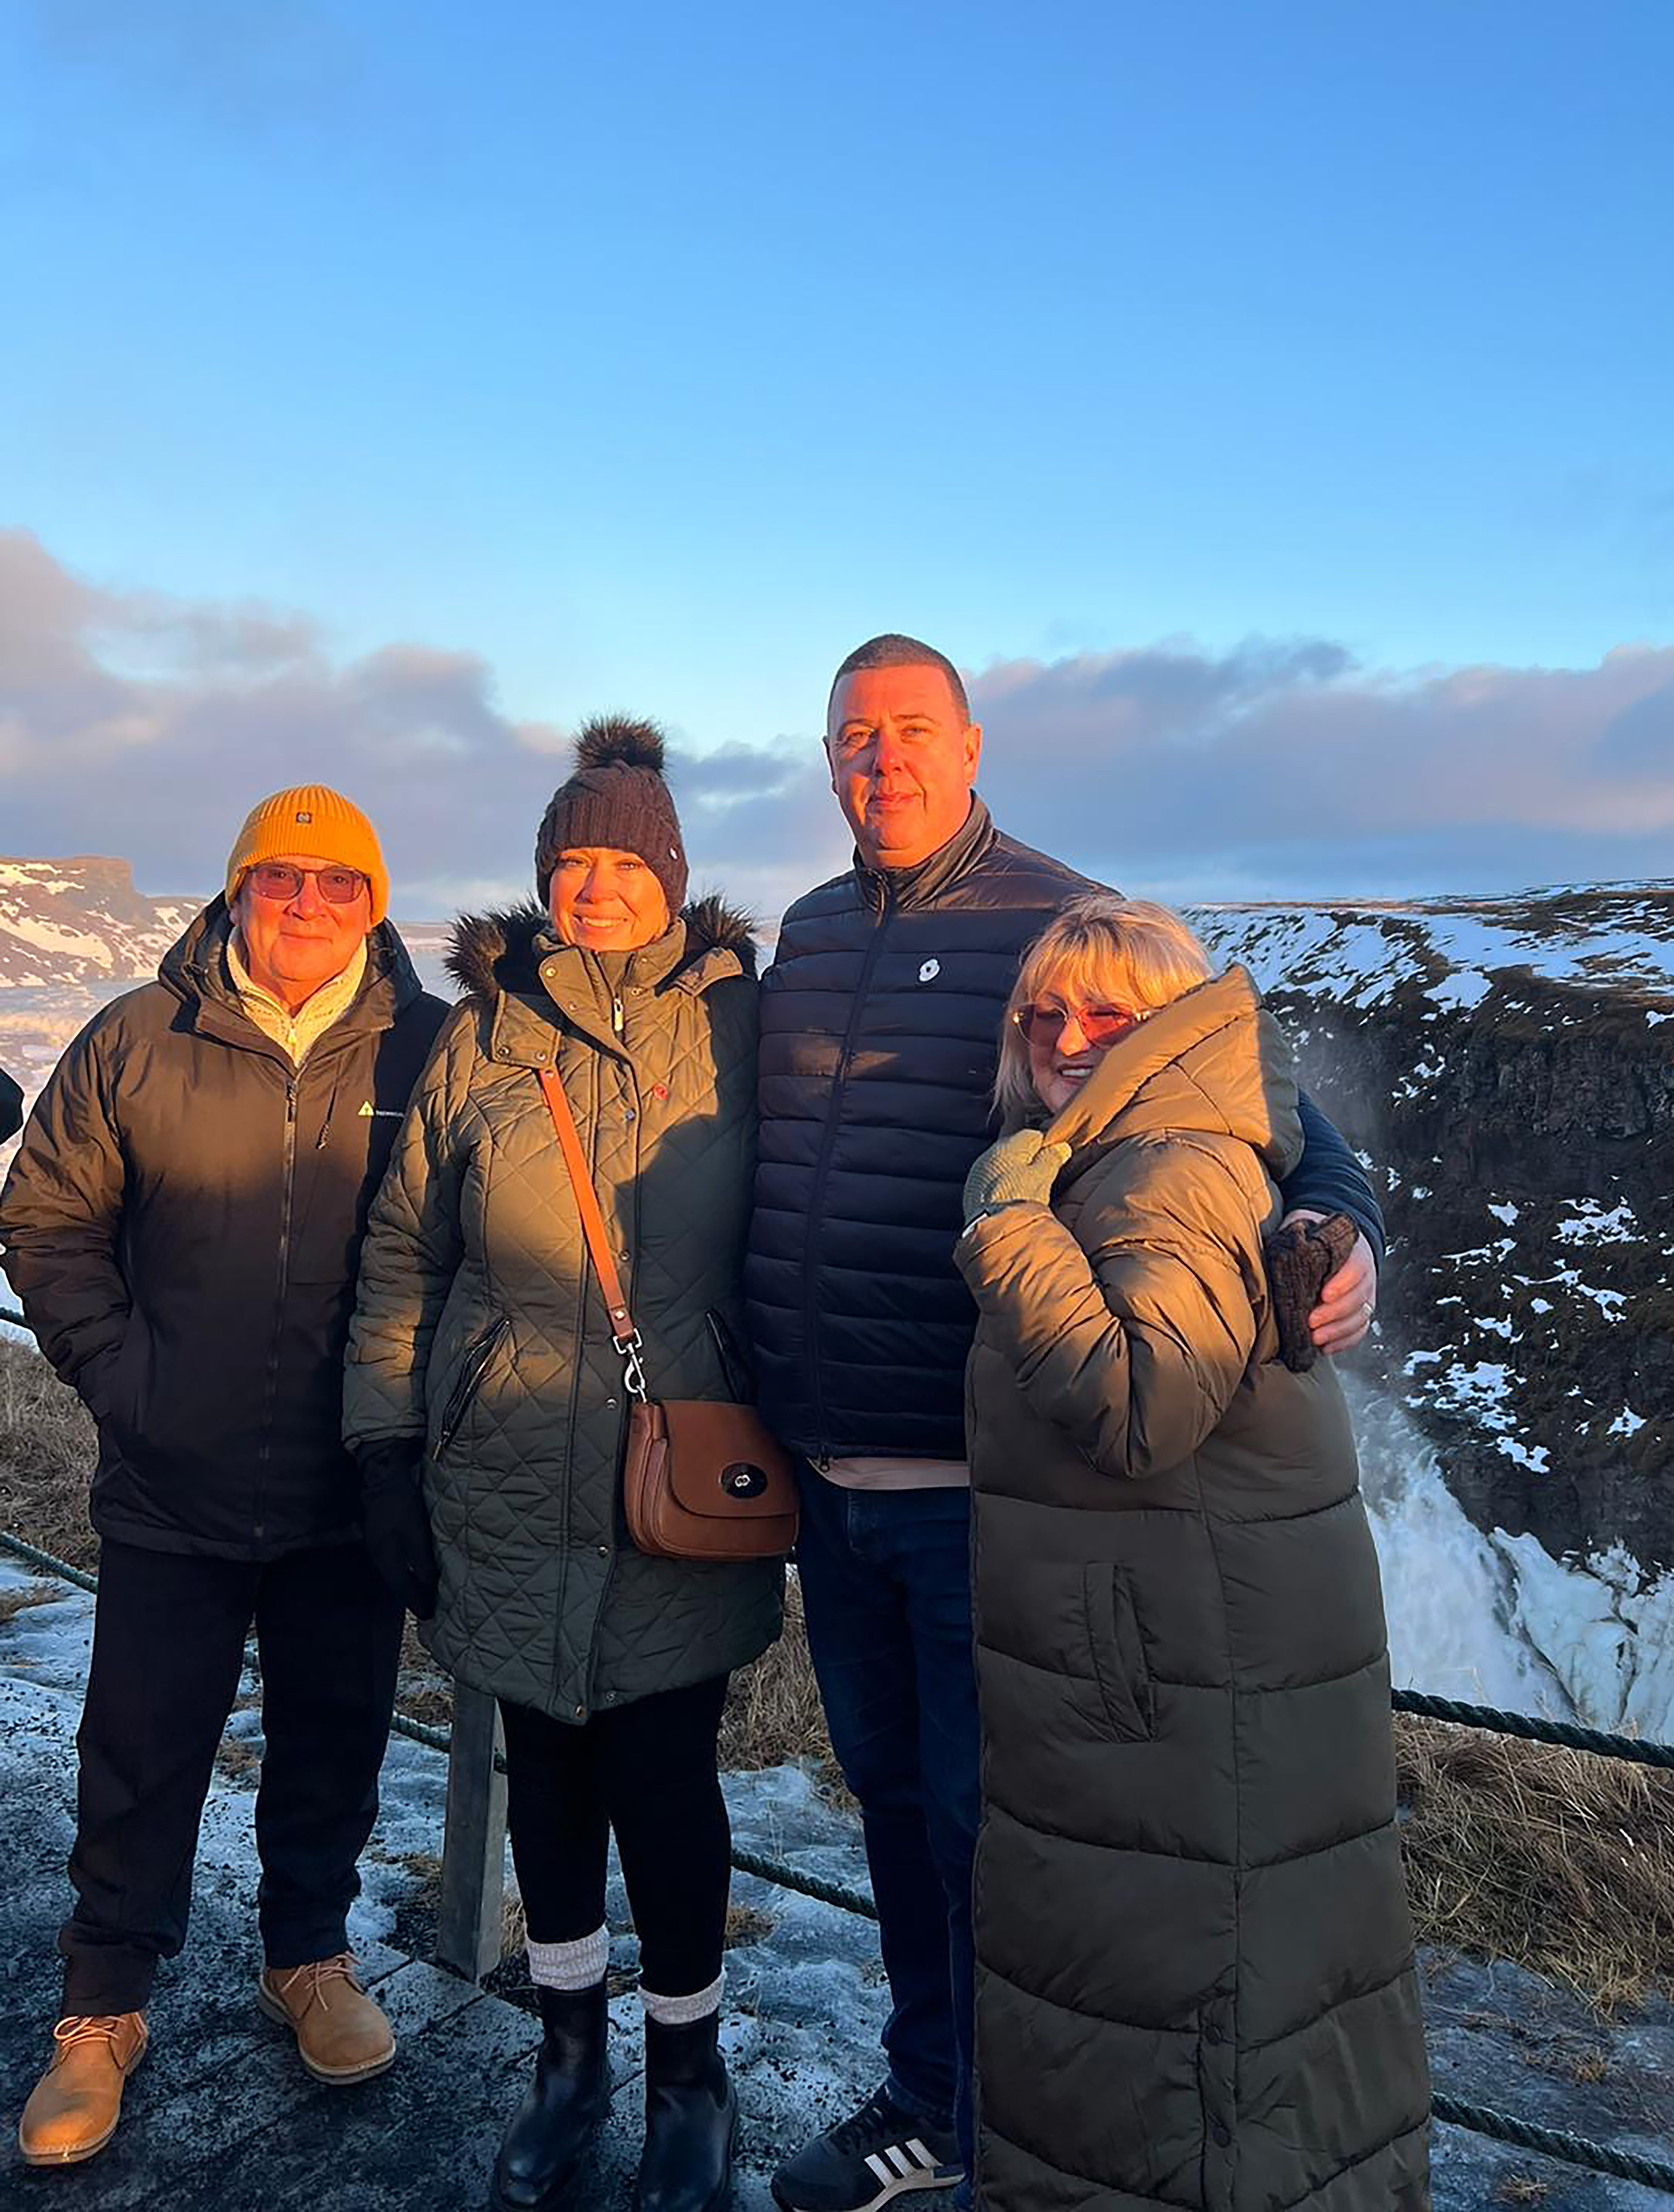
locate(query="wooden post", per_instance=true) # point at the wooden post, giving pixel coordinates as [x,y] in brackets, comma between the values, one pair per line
[473,1841]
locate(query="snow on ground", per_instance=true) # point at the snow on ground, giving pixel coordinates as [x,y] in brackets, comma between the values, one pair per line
[1361,950]
[220,2119]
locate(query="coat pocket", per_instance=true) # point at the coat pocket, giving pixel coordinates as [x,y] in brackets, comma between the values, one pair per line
[126,1391]
[468,1382]
[1119,1655]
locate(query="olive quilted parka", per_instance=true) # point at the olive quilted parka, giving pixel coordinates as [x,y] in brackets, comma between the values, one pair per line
[480,1324]
[1196,1985]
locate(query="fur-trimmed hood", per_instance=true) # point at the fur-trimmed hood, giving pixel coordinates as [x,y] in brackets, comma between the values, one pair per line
[501,950]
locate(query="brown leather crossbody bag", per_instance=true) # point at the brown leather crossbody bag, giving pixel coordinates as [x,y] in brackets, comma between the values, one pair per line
[702,1479]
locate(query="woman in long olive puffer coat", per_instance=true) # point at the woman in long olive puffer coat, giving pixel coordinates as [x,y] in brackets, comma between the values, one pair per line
[481,1357]
[1195,1984]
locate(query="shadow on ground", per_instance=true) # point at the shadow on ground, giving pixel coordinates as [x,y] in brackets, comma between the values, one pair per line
[221,2117]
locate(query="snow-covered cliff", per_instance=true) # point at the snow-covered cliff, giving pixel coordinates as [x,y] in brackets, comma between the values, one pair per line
[1506,1067]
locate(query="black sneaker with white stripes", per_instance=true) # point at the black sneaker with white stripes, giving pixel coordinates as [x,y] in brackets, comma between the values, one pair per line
[877,2152]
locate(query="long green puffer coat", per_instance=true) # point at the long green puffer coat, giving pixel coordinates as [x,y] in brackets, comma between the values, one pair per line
[480,1324]
[1195,1984]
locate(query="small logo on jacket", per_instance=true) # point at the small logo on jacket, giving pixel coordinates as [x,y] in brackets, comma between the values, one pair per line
[371,1113]
[930,971]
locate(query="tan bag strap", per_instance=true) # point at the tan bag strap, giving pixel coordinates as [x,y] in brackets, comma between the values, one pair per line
[623,1334]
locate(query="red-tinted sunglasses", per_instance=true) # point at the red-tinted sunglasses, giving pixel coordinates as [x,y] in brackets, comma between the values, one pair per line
[1100,1025]
[278,879]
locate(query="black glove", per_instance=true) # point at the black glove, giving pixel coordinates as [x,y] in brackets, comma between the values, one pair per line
[1301,1258]
[397,1528]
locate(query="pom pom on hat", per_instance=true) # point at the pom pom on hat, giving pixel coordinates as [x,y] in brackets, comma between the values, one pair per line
[616,801]
[618,741]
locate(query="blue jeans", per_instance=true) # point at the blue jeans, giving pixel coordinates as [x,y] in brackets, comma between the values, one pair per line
[886,1583]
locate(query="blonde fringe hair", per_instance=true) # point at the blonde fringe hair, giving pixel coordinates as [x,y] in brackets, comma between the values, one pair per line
[1101,951]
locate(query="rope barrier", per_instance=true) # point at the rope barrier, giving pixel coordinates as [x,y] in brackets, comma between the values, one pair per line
[777,1871]
[62,1568]
[1477,2119]
[1569,1735]
[810,1885]
[1553,2143]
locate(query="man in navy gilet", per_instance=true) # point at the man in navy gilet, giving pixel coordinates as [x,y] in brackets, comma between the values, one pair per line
[880,1021]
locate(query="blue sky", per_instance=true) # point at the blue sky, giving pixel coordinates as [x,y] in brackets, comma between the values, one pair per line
[653,359]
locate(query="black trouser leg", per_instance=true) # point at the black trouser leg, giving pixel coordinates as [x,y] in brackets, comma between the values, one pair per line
[167,1648]
[329,1638]
[555,1816]
[648,1770]
[673,1838]
[560,1837]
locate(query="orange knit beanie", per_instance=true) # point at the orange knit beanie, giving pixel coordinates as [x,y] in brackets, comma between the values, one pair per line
[319,824]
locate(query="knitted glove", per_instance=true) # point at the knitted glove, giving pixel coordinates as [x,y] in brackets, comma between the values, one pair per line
[1020,1169]
[397,1528]
[1300,1258]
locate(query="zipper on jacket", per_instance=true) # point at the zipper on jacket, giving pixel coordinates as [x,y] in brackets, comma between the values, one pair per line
[264,1449]
[472,1369]
[823,1166]
[616,1016]
[577,1365]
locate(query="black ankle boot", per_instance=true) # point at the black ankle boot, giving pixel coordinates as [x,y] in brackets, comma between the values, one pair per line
[562,2106]
[691,2119]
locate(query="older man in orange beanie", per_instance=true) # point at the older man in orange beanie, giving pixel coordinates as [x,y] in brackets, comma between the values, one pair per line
[183,1225]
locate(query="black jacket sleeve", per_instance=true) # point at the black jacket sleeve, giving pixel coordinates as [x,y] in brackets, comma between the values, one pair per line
[1329,1179]
[61,1221]
[11,1107]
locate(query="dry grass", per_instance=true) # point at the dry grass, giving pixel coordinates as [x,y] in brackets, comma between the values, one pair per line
[14,1601]
[773,1711]
[1516,2188]
[1556,1860]
[746,1924]
[47,1449]
[1561,1862]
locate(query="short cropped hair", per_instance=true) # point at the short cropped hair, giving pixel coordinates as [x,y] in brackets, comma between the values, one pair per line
[1101,951]
[892,650]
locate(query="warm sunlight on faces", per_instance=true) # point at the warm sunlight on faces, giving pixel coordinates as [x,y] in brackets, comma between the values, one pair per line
[293,944]
[607,900]
[1066,1042]
[902,759]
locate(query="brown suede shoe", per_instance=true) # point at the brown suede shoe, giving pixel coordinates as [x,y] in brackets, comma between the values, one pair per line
[340,2034]
[74,2108]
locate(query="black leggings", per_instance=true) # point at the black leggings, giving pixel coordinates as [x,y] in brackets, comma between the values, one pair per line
[648,1770]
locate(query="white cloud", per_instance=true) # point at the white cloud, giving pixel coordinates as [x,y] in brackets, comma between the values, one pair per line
[137,723]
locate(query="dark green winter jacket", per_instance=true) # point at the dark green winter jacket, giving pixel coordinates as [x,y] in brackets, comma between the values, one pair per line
[1195,1978]
[481,1326]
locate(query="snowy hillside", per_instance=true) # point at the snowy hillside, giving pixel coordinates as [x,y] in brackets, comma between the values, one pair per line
[1615,939]
[80,921]
[1507,1068]
[74,933]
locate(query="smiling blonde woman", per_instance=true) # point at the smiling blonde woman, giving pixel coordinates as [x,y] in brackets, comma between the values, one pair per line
[1195,1967]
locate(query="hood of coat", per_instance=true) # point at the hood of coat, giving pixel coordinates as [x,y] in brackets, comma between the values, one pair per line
[195,969]
[507,949]
[1213,1060]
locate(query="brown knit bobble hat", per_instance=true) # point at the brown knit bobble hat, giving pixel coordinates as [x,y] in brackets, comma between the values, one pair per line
[616,799]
